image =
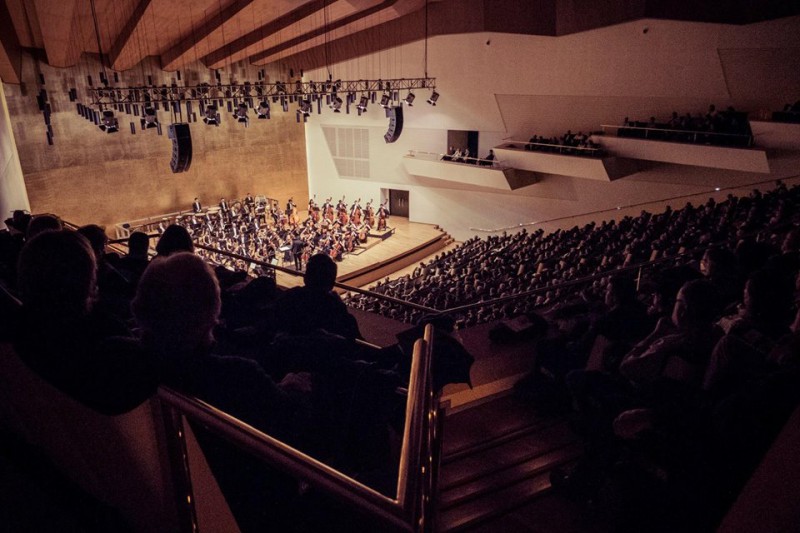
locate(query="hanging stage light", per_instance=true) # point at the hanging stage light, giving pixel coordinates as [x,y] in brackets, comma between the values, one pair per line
[109,122]
[434,97]
[336,104]
[409,100]
[211,117]
[150,119]
[385,100]
[362,104]
[262,111]
[305,107]
[241,114]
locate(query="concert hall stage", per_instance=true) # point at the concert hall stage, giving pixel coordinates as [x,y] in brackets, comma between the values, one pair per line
[404,243]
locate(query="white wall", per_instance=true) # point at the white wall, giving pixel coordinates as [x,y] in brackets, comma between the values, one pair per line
[518,85]
[12,185]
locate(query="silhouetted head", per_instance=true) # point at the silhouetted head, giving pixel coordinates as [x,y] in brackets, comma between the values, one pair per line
[696,305]
[42,223]
[177,303]
[174,239]
[97,238]
[138,243]
[58,274]
[320,272]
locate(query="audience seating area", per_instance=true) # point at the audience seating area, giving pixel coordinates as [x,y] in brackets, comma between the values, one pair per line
[680,374]
[721,128]
[481,270]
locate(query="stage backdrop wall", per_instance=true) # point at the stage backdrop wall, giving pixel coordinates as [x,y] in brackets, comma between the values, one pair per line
[89,176]
[512,86]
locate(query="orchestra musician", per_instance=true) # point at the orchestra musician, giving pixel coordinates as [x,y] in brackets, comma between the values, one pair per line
[383,216]
[291,212]
[196,207]
[356,213]
[370,214]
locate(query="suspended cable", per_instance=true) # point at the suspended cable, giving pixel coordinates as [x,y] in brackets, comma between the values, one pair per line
[97,34]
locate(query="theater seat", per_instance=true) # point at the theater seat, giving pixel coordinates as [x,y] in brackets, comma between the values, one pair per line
[120,460]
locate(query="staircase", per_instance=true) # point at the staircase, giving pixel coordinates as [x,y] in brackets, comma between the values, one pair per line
[497,457]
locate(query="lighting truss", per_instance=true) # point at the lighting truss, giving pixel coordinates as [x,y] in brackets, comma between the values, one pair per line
[113,96]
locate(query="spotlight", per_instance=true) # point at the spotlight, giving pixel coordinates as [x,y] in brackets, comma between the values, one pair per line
[109,122]
[149,120]
[362,104]
[336,104]
[409,101]
[385,100]
[305,107]
[211,116]
[262,111]
[434,97]
[241,114]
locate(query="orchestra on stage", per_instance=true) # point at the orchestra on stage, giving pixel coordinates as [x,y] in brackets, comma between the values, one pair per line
[257,228]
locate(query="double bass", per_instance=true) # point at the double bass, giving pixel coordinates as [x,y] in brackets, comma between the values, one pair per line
[370,214]
[383,215]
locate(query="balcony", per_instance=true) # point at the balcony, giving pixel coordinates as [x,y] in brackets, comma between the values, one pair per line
[478,172]
[731,152]
[588,163]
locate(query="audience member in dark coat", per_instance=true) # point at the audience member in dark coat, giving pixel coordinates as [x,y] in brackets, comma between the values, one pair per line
[176,306]
[315,305]
[64,339]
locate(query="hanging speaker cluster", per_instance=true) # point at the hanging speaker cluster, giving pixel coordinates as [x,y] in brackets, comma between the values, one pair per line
[395,116]
[181,147]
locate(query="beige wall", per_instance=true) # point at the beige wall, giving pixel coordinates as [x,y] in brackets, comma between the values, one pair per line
[12,186]
[89,176]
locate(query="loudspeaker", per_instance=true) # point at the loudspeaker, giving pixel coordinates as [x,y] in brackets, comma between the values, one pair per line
[181,147]
[395,115]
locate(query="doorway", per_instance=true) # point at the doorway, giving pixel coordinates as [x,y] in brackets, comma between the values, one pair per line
[398,203]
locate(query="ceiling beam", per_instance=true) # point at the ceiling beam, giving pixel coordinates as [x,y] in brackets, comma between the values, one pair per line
[322,30]
[10,50]
[171,59]
[123,44]
[57,20]
[219,55]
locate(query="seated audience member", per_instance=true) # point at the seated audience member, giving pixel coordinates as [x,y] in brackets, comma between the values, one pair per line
[132,266]
[113,288]
[742,354]
[719,267]
[624,322]
[174,239]
[176,307]
[683,355]
[677,356]
[64,339]
[315,305]
[41,223]
[489,159]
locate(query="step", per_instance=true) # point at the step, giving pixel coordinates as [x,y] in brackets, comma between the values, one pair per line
[505,455]
[508,476]
[490,424]
[494,504]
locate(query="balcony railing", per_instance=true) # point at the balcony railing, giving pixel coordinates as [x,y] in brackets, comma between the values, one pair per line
[410,509]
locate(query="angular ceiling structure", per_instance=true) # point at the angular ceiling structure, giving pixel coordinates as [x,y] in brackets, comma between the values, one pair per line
[307,33]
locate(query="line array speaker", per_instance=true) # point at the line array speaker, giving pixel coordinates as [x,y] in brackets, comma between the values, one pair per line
[181,147]
[395,116]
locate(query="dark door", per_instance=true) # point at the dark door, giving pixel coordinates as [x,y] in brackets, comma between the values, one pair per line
[398,203]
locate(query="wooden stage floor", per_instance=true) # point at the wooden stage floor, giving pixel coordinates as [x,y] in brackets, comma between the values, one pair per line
[407,236]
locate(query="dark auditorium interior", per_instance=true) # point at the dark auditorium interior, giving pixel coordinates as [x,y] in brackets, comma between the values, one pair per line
[422,266]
